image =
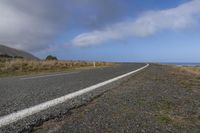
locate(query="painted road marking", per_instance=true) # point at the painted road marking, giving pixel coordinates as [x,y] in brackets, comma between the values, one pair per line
[45,76]
[13,117]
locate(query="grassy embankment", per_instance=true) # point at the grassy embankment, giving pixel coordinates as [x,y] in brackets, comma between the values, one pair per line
[13,67]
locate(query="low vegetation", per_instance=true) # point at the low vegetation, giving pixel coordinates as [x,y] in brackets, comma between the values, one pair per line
[188,71]
[23,67]
[192,69]
[50,57]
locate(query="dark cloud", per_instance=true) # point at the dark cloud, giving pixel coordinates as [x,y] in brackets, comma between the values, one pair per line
[36,24]
[97,13]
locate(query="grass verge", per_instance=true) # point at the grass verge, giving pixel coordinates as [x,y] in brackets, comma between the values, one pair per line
[17,67]
[191,69]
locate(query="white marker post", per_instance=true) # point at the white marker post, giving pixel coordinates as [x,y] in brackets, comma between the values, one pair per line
[94,63]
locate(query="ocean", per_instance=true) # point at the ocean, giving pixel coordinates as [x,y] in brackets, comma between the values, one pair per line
[184,64]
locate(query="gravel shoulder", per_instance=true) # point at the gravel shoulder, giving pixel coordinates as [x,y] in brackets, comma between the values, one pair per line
[159,99]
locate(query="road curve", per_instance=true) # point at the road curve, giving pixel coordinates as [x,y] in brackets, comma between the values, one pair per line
[18,93]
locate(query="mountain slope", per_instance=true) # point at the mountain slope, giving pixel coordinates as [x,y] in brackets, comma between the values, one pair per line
[4,50]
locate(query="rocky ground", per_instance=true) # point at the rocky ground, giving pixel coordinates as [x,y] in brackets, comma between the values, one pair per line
[159,99]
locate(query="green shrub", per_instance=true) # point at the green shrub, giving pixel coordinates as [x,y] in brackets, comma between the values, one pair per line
[50,57]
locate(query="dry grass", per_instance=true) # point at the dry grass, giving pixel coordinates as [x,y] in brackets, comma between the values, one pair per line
[21,67]
[187,70]
[191,74]
[192,69]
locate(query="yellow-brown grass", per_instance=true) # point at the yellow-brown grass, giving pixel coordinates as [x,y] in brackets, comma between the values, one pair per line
[191,69]
[20,66]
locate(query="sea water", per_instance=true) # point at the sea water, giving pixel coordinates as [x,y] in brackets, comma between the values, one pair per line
[184,64]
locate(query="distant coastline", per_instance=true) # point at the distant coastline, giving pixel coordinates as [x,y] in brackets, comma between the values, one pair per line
[183,64]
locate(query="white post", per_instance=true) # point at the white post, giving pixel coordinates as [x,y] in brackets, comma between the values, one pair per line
[94,64]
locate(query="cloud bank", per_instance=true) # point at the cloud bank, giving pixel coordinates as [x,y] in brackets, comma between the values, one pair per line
[181,17]
[35,25]
[30,25]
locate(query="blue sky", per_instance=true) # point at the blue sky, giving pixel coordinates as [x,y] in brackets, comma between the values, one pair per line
[105,30]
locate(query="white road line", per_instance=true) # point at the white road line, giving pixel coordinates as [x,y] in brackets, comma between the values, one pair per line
[13,117]
[44,76]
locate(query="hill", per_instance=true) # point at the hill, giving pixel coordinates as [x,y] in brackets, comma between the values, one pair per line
[14,53]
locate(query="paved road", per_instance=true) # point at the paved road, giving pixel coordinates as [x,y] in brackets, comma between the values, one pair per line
[18,93]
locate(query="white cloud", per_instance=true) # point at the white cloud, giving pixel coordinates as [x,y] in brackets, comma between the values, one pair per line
[181,17]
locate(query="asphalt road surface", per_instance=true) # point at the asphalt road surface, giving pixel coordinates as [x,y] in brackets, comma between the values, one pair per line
[18,93]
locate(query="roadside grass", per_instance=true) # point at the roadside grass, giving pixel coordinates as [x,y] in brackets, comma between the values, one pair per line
[191,69]
[15,67]
[166,114]
[164,108]
[191,74]
[169,112]
[164,118]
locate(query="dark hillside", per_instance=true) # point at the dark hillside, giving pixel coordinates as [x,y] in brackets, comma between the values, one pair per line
[7,52]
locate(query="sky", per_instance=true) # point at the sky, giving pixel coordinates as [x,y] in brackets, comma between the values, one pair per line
[104,30]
